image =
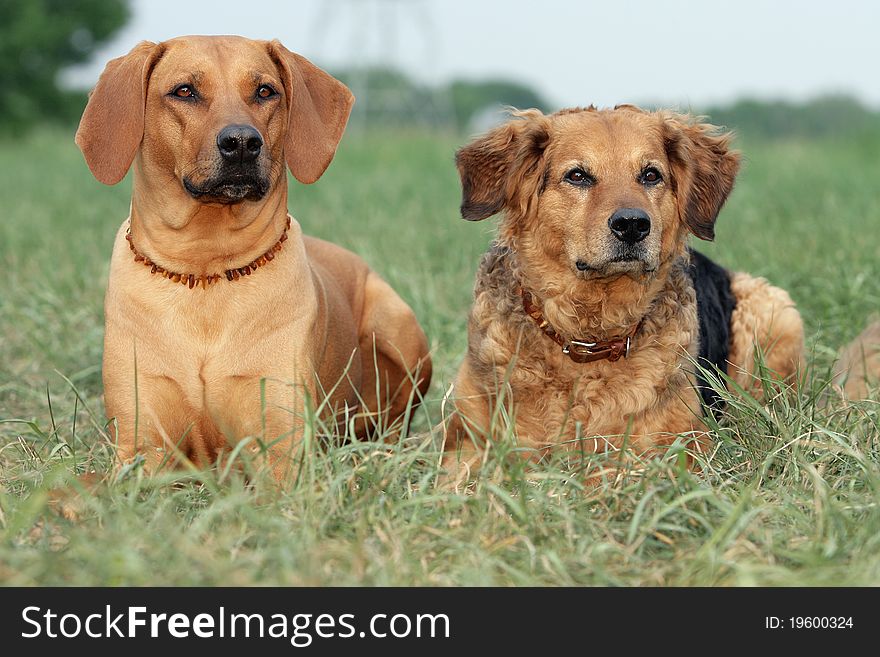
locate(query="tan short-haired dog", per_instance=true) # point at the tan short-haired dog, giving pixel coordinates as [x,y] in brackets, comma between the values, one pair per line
[589,309]
[221,317]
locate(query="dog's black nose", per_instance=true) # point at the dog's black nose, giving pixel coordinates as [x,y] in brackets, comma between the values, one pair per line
[630,225]
[239,143]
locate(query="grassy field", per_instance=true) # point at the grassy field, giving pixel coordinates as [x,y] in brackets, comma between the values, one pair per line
[790,497]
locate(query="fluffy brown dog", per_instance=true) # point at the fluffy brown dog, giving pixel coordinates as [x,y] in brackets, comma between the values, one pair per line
[221,317]
[590,310]
[857,369]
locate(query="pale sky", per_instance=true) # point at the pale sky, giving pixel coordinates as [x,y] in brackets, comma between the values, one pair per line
[672,52]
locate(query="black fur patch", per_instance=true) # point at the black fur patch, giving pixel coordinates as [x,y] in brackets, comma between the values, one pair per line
[715,305]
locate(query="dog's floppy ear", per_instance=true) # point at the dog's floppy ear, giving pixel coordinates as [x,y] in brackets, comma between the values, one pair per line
[112,125]
[500,169]
[318,107]
[704,170]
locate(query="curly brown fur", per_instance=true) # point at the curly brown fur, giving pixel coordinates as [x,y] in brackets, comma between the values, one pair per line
[560,179]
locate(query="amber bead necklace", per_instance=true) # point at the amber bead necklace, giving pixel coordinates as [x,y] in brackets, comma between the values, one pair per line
[192,280]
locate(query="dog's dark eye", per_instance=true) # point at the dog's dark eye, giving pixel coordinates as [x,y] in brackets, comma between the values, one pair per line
[265,91]
[650,176]
[579,177]
[184,91]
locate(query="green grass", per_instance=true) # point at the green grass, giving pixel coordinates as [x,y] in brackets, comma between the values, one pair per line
[789,497]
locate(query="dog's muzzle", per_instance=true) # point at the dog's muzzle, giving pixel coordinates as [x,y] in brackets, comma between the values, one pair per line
[237,174]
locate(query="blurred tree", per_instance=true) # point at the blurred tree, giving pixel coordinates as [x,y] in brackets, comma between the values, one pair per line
[387,96]
[38,38]
[397,100]
[825,116]
[472,98]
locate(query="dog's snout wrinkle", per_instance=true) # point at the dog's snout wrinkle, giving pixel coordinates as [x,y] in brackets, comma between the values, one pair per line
[239,143]
[630,225]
